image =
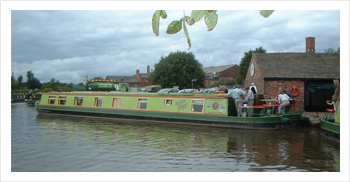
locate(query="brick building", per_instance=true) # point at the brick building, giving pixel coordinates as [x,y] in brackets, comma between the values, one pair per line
[217,73]
[138,80]
[312,73]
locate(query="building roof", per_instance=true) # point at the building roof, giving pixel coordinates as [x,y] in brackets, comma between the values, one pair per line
[217,69]
[145,75]
[298,65]
[125,79]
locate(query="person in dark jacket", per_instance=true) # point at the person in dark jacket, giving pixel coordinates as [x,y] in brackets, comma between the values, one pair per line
[223,88]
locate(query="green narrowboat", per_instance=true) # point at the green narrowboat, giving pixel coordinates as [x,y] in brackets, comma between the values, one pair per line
[18,97]
[331,126]
[178,108]
[34,98]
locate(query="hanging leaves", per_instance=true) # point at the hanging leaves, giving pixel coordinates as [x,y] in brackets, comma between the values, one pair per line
[155,20]
[211,19]
[163,14]
[186,34]
[174,27]
[266,13]
[189,20]
[196,15]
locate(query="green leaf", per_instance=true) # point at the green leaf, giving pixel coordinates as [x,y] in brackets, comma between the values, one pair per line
[163,14]
[174,27]
[212,11]
[155,22]
[266,13]
[197,15]
[210,20]
[186,34]
[189,20]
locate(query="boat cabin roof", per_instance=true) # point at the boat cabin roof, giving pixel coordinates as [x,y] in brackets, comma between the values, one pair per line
[208,95]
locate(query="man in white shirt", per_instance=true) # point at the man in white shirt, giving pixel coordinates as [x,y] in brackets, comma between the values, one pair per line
[238,95]
[284,99]
[250,100]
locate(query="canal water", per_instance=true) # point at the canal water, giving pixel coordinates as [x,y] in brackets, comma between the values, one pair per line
[45,143]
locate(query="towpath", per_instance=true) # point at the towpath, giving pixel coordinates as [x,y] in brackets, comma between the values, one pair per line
[314,117]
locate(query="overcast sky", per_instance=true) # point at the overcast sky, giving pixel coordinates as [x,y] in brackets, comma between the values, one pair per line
[69,45]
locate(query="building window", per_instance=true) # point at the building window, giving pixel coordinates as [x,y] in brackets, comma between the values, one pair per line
[52,99]
[98,101]
[117,102]
[142,104]
[197,105]
[62,100]
[78,101]
[168,101]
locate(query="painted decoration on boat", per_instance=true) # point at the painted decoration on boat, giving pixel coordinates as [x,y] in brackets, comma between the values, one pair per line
[215,107]
[181,105]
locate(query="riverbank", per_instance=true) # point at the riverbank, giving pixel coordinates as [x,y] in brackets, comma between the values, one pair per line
[314,118]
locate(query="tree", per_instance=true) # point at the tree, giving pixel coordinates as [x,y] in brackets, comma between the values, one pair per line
[210,19]
[178,69]
[20,81]
[332,50]
[245,62]
[32,82]
[14,84]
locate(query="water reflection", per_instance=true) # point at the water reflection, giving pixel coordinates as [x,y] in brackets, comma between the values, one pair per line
[193,148]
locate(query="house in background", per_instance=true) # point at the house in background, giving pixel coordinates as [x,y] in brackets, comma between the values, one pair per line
[138,80]
[216,73]
[311,73]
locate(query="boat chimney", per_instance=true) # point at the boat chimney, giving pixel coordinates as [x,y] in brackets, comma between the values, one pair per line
[310,44]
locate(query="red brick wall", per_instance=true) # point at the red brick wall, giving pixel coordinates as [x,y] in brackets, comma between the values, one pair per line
[272,87]
[257,78]
[269,88]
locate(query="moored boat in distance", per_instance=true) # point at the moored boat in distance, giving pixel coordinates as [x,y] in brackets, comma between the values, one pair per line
[35,98]
[18,97]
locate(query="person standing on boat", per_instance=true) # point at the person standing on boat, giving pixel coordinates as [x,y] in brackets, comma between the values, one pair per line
[336,96]
[30,93]
[250,100]
[239,96]
[284,99]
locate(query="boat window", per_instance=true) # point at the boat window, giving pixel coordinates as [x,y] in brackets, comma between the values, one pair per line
[52,99]
[117,102]
[98,101]
[168,101]
[142,104]
[197,105]
[62,100]
[78,101]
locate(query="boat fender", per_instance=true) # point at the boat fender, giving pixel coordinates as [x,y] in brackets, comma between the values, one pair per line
[295,88]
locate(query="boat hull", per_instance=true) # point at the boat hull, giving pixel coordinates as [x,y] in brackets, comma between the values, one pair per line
[330,126]
[264,123]
[330,129]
